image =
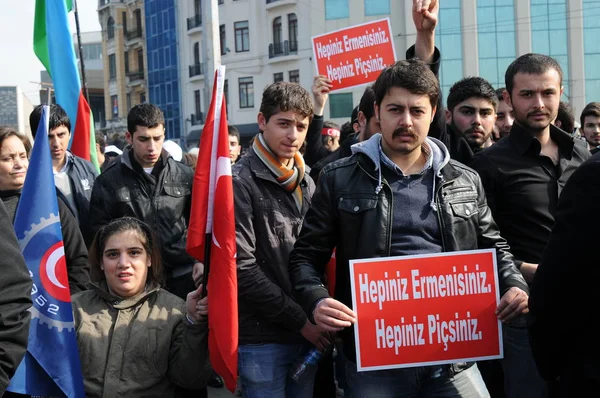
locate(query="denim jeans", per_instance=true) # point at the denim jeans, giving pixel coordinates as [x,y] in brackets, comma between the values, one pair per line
[264,368]
[419,382]
[521,377]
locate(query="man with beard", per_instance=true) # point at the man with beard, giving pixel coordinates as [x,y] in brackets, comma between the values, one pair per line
[590,125]
[523,177]
[470,117]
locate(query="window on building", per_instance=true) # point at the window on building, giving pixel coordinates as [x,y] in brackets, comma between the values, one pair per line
[448,38]
[242,36]
[293,32]
[549,34]
[197,107]
[114,100]
[138,20]
[377,7]
[591,49]
[496,39]
[110,28]
[112,67]
[277,77]
[124,19]
[126,61]
[142,98]
[128,101]
[196,53]
[294,76]
[222,40]
[226,91]
[277,33]
[197,7]
[140,59]
[337,9]
[340,105]
[246,86]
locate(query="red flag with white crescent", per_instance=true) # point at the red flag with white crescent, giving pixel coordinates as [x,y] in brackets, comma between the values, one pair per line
[212,215]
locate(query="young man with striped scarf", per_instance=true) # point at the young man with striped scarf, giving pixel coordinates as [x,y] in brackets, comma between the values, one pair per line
[272,192]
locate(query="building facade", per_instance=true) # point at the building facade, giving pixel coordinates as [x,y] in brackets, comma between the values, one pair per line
[124,59]
[262,41]
[163,65]
[15,108]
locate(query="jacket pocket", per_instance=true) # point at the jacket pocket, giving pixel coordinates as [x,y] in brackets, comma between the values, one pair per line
[177,191]
[356,205]
[123,194]
[464,210]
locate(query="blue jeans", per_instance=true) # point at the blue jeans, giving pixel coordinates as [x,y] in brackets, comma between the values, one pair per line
[521,377]
[420,382]
[264,368]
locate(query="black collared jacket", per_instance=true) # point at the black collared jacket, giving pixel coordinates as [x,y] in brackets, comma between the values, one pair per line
[162,200]
[267,222]
[523,187]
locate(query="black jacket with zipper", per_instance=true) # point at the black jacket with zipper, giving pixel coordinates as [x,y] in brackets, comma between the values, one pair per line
[161,199]
[350,214]
[267,222]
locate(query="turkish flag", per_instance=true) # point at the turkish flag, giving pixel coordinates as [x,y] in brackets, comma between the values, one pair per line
[212,217]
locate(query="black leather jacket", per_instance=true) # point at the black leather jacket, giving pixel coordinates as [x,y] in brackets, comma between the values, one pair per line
[349,213]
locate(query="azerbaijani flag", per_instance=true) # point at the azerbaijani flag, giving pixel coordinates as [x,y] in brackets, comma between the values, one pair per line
[53,45]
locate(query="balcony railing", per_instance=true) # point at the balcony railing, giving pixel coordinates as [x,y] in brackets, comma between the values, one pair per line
[197,119]
[283,48]
[194,22]
[134,34]
[135,75]
[196,70]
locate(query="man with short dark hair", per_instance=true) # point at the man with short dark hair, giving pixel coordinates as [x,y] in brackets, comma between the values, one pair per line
[272,193]
[145,182]
[470,118]
[523,176]
[400,187]
[73,176]
[505,114]
[590,125]
[235,148]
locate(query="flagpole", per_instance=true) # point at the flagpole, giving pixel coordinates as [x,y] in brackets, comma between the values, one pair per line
[83,78]
[207,245]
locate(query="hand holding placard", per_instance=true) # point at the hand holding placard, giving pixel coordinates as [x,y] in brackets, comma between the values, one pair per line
[512,304]
[333,316]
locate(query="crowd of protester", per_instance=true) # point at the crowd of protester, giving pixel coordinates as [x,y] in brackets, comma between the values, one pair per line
[499,168]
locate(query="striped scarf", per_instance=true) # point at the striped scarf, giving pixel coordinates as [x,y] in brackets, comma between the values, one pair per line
[289,179]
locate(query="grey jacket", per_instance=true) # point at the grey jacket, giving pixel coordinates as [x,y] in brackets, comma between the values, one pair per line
[138,347]
[267,222]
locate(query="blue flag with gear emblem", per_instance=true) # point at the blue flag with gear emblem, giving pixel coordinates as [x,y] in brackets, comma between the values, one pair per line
[51,365]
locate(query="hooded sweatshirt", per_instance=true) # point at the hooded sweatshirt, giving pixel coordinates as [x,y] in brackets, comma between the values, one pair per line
[415,226]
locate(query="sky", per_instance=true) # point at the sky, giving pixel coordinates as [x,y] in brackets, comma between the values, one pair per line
[19,65]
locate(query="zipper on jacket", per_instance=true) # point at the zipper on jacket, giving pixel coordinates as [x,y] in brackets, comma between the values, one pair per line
[439,211]
[390,216]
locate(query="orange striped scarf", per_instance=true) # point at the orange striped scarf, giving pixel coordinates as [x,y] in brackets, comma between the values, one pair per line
[289,179]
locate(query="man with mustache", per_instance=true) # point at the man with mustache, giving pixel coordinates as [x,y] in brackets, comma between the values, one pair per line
[470,118]
[523,177]
[398,194]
